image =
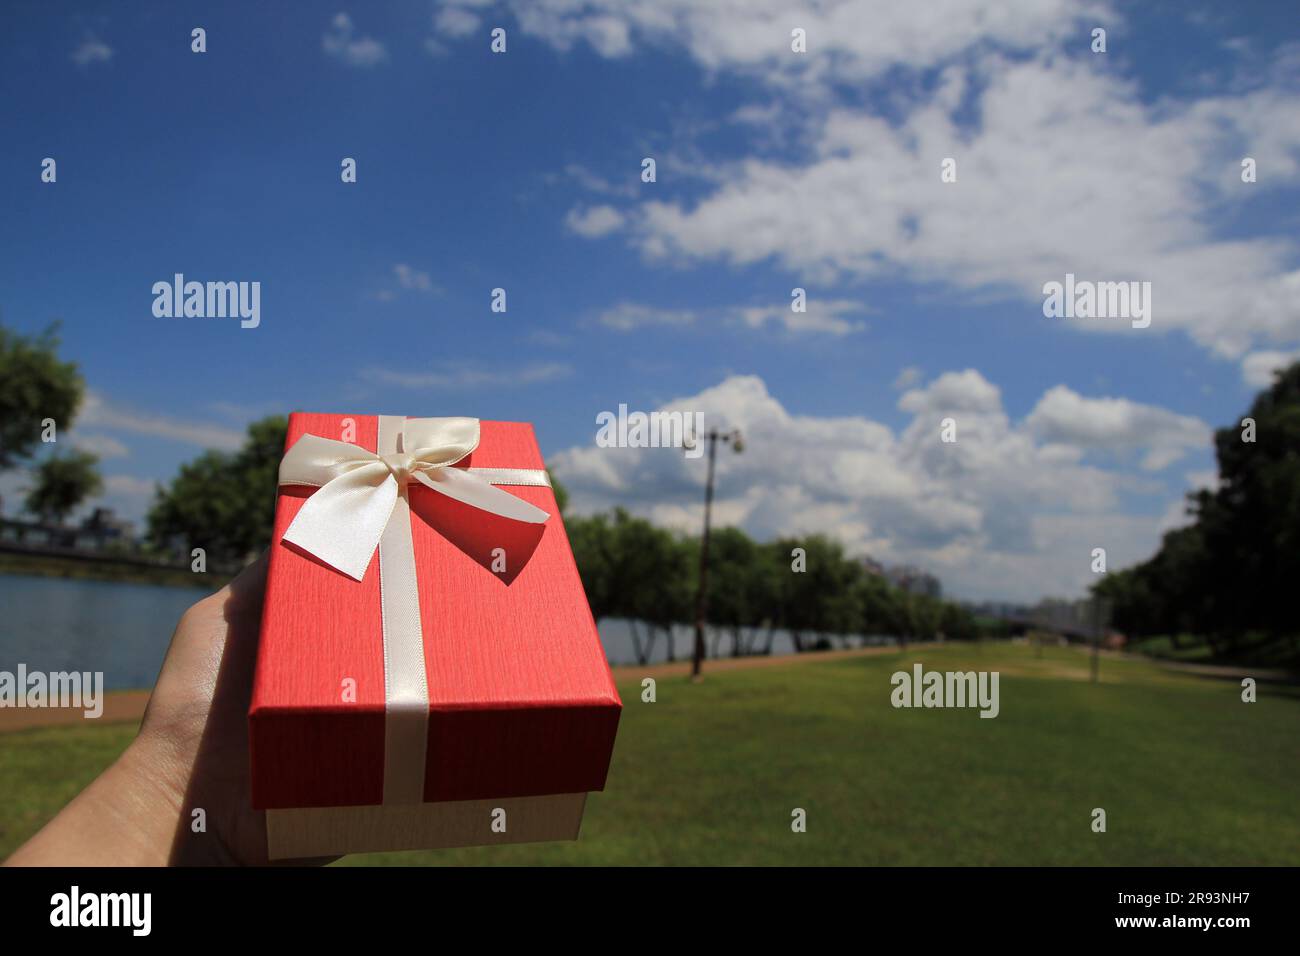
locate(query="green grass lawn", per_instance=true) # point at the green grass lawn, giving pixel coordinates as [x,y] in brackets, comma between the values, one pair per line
[709,774]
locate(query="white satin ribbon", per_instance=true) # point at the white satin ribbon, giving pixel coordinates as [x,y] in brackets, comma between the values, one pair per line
[361,504]
[341,523]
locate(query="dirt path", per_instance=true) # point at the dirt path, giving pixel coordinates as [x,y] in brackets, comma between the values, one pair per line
[1265,675]
[127,706]
[120,707]
[713,665]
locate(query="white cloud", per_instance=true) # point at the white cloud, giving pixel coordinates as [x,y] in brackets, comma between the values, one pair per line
[455,21]
[341,43]
[1065,417]
[954,392]
[756,114]
[1035,123]
[1042,170]
[999,513]
[548,337]
[907,377]
[1203,480]
[129,497]
[593,182]
[129,486]
[627,316]
[99,412]
[461,376]
[1257,368]
[820,315]
[102,446]
[848,40]
[594,221]
[409,278]
[90,51]
[1176,515]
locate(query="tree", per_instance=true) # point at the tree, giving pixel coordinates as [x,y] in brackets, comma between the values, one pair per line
[224,503]
[62,482]
[652,578]
[735,589]
[873,601]
[958,624]
[634,570]
[34,385]
[561,493]
[902,613]
[772,581]
[1250,526]
[927,615]
[591,541]
[822,598]
[1231,573]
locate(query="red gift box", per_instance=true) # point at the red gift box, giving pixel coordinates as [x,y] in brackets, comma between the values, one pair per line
[521,701]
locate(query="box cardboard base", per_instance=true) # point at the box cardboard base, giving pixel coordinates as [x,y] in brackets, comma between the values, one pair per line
[334,831]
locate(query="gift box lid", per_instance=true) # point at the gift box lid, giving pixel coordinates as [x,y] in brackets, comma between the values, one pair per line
[521,698]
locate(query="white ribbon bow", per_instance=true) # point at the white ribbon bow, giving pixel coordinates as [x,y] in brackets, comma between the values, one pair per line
[342,522]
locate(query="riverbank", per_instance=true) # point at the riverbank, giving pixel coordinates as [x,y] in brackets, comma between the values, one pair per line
[127,706]
[120,707]
[102,568]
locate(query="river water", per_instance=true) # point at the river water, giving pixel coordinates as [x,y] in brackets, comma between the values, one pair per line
[63,624]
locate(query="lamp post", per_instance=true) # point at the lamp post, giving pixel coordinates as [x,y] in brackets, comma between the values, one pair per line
[702,594]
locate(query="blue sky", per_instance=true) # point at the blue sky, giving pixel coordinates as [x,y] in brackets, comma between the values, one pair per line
[774,170]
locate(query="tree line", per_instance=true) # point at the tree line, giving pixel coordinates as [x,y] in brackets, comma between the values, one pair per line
[630,568]
[807,586]
[1226,580]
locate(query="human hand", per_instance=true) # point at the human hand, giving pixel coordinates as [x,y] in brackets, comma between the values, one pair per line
[191,754]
